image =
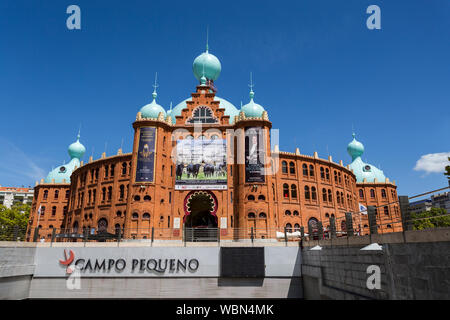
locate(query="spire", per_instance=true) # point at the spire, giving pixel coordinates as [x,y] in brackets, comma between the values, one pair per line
[154,94]
[170,108]
[251,85]
[207,34]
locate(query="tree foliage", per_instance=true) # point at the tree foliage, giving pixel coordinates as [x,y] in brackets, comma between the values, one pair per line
[14,221]
[430,219]
[447,171]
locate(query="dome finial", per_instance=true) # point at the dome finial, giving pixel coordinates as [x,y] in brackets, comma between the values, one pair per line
[78,135]
[251,85]
[154,94]
[207,36]
[203,78]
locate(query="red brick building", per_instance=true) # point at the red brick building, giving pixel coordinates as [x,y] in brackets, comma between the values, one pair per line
[205,164]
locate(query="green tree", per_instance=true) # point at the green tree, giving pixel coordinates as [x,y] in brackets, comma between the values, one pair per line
[447,171]
[430,219]
[14,220]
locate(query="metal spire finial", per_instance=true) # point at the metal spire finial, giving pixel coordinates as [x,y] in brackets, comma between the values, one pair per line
[251,85]
[207,36]
[155,86]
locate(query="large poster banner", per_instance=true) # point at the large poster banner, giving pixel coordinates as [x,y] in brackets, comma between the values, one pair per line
[201,164]
[254,154]
[145,168]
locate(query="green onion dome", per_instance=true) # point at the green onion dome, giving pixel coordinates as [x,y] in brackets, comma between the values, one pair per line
[361,169]
[206,65]
[152,110]
[252,109]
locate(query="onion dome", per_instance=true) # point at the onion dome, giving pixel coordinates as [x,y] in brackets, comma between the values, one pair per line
[206,65]
[361,169]
[252,109]
[355,148]
[152,110]
[61,174]
[76,149]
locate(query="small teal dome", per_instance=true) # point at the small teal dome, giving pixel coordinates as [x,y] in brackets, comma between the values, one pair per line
[252,109]
[361,169]
[61,174]
[208,65]
[76,149]
[152,110]
[355,148]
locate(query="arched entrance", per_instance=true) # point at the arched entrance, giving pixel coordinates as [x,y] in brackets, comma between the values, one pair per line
[200,220]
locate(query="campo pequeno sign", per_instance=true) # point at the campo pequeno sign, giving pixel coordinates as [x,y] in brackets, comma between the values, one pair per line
[127,262]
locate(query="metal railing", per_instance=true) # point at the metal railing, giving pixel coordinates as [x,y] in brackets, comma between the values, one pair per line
[351,224]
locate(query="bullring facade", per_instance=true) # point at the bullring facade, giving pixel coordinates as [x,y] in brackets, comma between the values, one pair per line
[205,164]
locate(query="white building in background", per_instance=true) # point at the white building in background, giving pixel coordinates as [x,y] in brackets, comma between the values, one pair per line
[11,195]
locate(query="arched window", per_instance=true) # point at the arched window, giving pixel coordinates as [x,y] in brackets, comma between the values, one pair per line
[383,193]
[327,215]
[335,177]
[313,193]
[124,168]
[327,174]
[103,194]
[288,227]
[102,225]
[287,213]
[106,171]
[312,222]
[109,193]
[296,227]
[53,210]
[372,193]
[295,213]
[324,195]
[338,197]
[147,198]
[342,199]
[146,216]
[135,215]
[119,213]
[56,194]
[75,227]
[294,191]
[291,168]
[361,193]
[307,194]
[262,215]
[311,170]
[305,170]
[113,166]
[322,173]
[251,197]
[117,228]
[121,191]
[386,210]
[202,114]
[261,197]
[284,168]
[343,225]
[339,176]
[45,194]
[286,190]
[137,198]
[251,215]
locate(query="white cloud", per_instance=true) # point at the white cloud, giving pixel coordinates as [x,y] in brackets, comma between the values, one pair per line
[433,162]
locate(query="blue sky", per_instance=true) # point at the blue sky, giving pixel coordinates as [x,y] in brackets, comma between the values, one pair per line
[317,70]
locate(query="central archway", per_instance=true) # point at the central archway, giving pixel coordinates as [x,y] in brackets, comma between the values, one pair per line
[200,220]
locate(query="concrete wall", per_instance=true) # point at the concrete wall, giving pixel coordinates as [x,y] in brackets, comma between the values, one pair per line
[21,279]
[413,265]
[16,270]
